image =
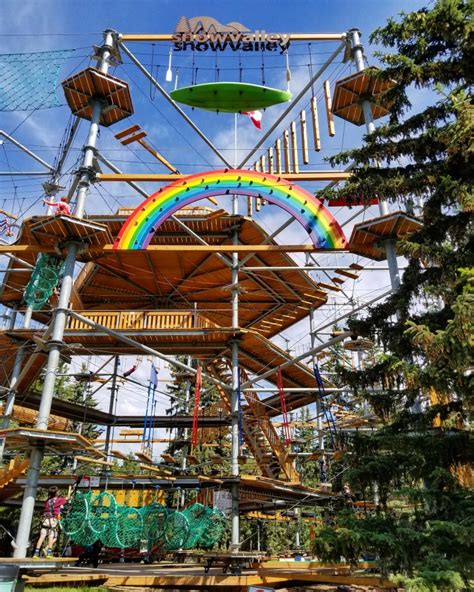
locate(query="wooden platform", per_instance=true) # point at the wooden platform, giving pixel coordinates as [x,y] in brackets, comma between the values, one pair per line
[192,576]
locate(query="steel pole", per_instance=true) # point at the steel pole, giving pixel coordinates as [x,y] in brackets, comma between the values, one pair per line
[235,396]
[358,57]
[55,344]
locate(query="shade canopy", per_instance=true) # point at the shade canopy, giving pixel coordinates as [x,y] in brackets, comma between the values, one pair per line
[230,97]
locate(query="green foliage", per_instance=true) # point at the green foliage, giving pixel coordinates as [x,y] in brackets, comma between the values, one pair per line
[423,528]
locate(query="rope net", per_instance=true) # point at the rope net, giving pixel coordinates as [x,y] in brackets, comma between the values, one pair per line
[43,281]
[29,80]
[88,518]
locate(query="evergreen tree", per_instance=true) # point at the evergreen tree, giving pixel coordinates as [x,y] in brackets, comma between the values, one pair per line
[418,461]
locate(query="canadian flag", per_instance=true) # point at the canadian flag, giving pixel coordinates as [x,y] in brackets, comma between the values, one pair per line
[255,118]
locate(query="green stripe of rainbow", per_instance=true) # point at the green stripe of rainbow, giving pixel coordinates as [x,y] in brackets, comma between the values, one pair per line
[142,224]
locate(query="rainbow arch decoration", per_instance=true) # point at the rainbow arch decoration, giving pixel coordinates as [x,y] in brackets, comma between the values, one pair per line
[146,219]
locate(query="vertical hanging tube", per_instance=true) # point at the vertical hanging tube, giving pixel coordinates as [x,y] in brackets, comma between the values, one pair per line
[258,201]
[294,147]
[304,137]
[315,121]
[286,150]
[262,163]
[278,155]
[270,160]
[330,116]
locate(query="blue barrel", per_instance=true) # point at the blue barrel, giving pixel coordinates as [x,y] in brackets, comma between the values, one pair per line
[8,577]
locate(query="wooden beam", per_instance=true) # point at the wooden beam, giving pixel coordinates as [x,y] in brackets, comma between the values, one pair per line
[169,37]
[94,461]
[308,176]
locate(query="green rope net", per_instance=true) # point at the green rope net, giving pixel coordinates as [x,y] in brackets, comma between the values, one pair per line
[88,518]
[43,281]
[29,80]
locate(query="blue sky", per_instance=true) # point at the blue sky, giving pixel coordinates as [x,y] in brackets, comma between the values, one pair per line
[46,25]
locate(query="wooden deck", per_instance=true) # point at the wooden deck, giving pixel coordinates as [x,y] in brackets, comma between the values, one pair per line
[192,577]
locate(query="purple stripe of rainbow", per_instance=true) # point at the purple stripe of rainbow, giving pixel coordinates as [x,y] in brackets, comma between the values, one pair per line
[142,224]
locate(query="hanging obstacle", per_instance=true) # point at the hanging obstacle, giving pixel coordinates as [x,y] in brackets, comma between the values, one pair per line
[230,97]
[88,518]
[43,281]
[328,100]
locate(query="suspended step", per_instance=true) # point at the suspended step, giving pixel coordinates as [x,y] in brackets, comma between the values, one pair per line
[192,460]
[365,85]
[94,461]
[168,458]
[230,97]
[144,457]
[119,454]
[360,344]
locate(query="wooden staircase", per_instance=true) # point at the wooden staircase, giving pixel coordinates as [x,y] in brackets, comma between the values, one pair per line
[260,435]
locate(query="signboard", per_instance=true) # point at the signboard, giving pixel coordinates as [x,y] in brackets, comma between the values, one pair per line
[223,502]
[203,33]
[89,482]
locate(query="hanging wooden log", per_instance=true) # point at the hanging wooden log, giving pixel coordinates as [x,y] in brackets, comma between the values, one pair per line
[294,147]
[315,121]
[304,137]
[286,150]
[270,160]
[249,206]
[330,116]
[278,156]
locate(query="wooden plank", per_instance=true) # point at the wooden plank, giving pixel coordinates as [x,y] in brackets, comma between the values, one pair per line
[168,37]
[93,461]
[288,175]
[286,151]
[270,160]
[348,274]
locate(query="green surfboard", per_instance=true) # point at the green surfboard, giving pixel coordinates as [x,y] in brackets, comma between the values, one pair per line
[230,97]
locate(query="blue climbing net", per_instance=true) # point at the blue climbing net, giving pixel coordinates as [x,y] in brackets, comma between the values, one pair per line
[29,80]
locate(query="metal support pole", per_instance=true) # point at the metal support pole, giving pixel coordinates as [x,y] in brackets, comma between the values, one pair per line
[59,323]
[358,57]
[235,406]
[113,398]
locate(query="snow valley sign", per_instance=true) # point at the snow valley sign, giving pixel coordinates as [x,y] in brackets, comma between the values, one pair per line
[203,33]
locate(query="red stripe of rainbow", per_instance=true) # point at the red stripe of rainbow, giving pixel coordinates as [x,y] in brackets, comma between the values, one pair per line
[142,224]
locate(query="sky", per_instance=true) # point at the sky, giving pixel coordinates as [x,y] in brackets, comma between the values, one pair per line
[34,26]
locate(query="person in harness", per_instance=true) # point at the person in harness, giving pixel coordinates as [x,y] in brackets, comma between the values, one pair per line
[50,523]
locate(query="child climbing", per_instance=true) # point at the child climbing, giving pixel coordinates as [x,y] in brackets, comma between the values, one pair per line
[50,523]
[61,207]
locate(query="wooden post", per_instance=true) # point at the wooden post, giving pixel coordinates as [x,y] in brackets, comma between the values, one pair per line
[270,160]
[315,120]
[278,156]
[294,147]
[286,151]
[330,116]
[304,137]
